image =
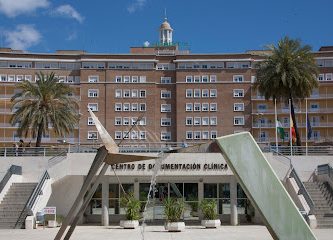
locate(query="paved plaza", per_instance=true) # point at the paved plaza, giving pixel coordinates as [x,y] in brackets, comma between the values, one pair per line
[154,232]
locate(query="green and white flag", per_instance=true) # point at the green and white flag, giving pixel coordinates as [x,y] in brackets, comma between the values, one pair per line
[280,129]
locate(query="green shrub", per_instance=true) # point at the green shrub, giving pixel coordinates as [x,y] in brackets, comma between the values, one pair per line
[208,209]
[173,209]
[131,205]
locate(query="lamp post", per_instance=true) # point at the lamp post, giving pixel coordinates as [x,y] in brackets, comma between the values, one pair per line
[259,119]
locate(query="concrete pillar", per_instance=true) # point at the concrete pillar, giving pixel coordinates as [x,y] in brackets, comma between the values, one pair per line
[105,203]
[136,188]
[233,202]
[200,195]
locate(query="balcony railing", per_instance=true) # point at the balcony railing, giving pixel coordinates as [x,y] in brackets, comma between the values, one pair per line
[314,96]
[286,110]
[286,125]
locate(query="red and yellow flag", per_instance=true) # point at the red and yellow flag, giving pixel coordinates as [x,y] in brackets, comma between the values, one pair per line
[292,130]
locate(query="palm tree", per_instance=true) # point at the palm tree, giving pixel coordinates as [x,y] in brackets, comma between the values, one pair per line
[42,104]
[289,72]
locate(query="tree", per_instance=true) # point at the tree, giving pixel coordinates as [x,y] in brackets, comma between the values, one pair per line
[41,104]
[289,72]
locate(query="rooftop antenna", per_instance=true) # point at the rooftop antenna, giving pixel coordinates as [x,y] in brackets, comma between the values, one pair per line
[165,14]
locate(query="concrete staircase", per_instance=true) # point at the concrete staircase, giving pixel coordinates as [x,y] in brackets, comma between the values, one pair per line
[323,204]
[14,202]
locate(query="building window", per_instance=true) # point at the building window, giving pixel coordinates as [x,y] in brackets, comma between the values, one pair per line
[93,107]
[28,78]
[238,107]
[134,107]
[90,121]
[197,135]
[314,107]
[165,94]
[204,79]
[92,135]
[212,78]
[142,122]
[118,93]
[126,121]
[205,107]
[321,77]
[118,135]
[118,107]
[189,93]
[316,135]
[213,93]
[197,121]
[117,121]
[127,79]
[238,78]
[238,121]
[126,134]
[142,93]
[205,121]
[135,79]
[213,107]
[118,79]
[142,107]
[126,107]
[213,121]
[196,79]
[189,107]
[165,122]
[126,93]
[165,136]
[134,135]
[143,79]
[165,80]
[197,93]
[188,79]
[262,107]
[189,121]
[11,78]
[3,78]
[92,93]
[197,107]
[93,79]
[213,134]
[238,92]
[165,107]
[143,135]
[134,93]
[328,76]
[19,78]
[189,135]
[205,135]
[205,93]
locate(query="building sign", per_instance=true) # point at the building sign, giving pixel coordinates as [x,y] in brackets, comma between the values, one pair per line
[172,166]
[50,210]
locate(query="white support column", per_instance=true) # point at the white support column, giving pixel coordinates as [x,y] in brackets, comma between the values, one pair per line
[105,203]
[136,188]
[233,202]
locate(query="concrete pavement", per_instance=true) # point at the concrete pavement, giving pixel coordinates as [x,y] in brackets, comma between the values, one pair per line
[253,232]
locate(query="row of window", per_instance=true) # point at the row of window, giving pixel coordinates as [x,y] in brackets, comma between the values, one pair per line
[130,79]
[126,107]
[203,93]
[214,65]
[93,135]
[201,121]
[125,121]
[204,107]
[126,93]
[325,77]
[197,135]
[19,78]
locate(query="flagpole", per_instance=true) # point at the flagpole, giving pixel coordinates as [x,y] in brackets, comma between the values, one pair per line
[306,128]
[276,133]
[290,130]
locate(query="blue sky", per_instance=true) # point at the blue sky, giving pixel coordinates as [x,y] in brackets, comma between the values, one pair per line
[211,26]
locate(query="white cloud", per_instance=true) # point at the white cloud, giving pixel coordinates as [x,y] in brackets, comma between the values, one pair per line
[12,8]
[23,37]
[68,11]
[72,36]
[136,5]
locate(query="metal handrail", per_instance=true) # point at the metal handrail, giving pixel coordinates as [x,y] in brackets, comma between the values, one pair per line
[12,170]
[57,158]
[302,189]
[27,210]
